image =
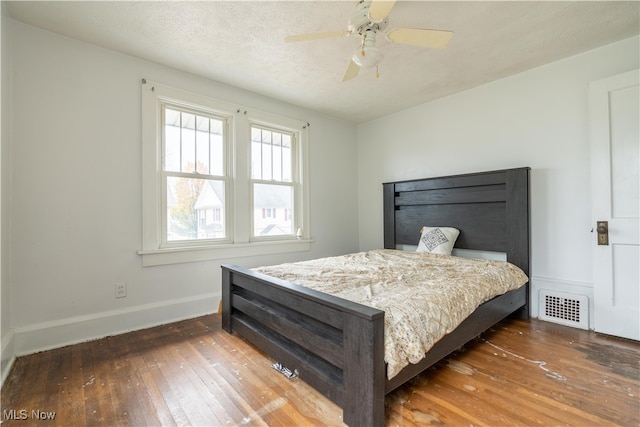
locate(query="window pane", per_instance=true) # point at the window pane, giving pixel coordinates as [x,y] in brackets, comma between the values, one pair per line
[193,143]
[272,210]
[266,155]
[256,154]
[216,148]
[270,155]
[202,145]
[195,209]
[277,157]
[172,140]
[188,143]
[287,174]
[217,155]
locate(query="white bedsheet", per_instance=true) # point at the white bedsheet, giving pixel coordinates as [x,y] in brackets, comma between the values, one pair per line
[424,296]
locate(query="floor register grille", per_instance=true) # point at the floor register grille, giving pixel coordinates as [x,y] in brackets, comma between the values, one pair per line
[566,309]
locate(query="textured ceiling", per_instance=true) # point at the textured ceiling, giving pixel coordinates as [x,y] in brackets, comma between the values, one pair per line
[241,43]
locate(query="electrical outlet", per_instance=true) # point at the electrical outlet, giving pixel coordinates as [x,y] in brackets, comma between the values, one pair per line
[121,290]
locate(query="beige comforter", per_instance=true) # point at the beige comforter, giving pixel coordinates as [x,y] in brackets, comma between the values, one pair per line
[424,296]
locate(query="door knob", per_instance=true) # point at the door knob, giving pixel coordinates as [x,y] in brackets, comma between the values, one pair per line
[603,232]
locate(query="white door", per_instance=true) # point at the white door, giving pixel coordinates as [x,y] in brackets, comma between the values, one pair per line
[615,161]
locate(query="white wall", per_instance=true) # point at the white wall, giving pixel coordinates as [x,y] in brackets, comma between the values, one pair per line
[75,200]
[6,333]
[538,118]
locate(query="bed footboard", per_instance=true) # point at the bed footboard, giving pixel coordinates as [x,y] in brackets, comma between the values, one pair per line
[335,345]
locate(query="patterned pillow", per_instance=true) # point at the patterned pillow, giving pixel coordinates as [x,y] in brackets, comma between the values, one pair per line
[437,240]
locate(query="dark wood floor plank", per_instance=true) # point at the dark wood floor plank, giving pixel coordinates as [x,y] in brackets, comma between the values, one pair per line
[227,402]
[584,379]
[485,394]
[103,356]
[93,415]
[222,355]
[153,382]
[525,373]
[59,386]
[532,385]
[185,392]
[286,391]
[233,368]
[165,387]
[75,392]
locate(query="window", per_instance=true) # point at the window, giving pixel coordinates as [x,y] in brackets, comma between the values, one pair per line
[219,180]
[272,183]
[194,177]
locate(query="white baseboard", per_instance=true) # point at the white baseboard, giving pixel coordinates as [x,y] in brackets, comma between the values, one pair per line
[563,286]
[48,335]
[7,355]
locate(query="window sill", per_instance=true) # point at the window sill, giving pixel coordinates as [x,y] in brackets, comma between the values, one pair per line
[206,253]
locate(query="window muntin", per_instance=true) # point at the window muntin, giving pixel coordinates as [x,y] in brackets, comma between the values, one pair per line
[192,139]
[271,155]
[193,176]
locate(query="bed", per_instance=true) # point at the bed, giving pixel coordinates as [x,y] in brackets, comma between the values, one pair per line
[337,346]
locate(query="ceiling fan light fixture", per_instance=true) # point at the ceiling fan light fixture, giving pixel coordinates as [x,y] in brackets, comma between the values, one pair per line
[367,56]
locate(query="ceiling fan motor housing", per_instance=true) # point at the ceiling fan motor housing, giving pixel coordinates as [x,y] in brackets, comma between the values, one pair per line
[361,22]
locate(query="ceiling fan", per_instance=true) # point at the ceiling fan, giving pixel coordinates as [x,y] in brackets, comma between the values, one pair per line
[369,20]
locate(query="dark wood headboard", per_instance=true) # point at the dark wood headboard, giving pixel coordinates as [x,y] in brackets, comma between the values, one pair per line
[491,210]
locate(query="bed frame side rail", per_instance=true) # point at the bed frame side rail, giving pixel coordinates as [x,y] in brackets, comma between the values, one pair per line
[335,345]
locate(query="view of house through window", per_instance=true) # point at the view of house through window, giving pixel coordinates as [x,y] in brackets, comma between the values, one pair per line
[194,174]
[272,183]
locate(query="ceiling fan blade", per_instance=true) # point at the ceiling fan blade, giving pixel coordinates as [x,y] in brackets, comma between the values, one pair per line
[352,71]
[316,36]
[379,9]
[434,39]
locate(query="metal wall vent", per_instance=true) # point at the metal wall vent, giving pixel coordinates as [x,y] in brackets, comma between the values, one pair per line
[566,309]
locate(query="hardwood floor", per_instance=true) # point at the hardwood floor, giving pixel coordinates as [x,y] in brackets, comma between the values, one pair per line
[193,373]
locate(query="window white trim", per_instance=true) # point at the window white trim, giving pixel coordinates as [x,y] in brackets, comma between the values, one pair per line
[218,252]
[239,120]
